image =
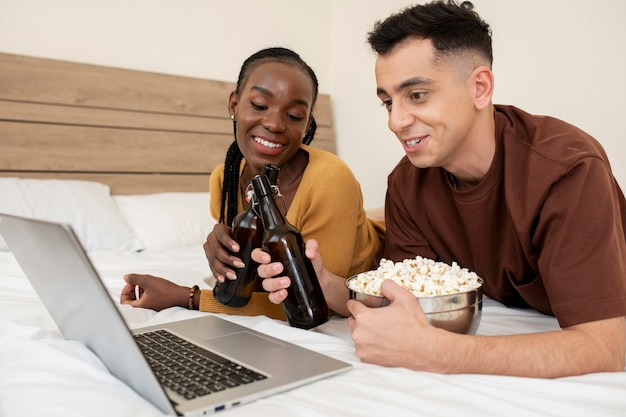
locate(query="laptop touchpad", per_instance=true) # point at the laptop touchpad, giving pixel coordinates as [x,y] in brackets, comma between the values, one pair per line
[242,341]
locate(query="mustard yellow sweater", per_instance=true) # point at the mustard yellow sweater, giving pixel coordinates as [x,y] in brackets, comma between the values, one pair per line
[328,207]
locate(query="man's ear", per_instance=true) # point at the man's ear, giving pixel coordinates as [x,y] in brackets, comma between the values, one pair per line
[482,79]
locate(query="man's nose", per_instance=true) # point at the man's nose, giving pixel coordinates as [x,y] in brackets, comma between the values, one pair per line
[399,118]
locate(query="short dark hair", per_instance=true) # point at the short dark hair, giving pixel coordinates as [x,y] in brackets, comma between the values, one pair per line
[450,26]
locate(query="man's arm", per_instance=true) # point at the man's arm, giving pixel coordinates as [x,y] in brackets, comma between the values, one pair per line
[400,335]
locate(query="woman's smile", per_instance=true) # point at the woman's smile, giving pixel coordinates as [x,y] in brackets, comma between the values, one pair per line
[267,143]
[267,147]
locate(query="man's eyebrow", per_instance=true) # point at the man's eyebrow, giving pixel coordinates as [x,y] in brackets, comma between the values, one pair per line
[270,94]
[407,83]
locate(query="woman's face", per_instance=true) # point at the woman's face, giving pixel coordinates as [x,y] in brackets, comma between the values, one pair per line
[273,113]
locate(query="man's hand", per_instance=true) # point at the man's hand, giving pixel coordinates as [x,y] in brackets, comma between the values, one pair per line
[391,334]
[335,291]
[269,271]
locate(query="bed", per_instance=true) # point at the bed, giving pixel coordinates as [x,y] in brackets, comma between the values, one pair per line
[124,156]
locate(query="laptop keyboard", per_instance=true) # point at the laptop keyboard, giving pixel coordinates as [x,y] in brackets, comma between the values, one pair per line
[188,369]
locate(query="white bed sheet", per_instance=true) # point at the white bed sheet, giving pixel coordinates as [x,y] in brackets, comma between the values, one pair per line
[41,374]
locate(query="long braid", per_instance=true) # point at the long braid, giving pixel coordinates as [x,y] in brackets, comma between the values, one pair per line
[230,186]
[232,162]
[310,133]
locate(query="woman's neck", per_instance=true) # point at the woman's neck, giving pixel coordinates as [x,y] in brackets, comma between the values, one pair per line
[289,176]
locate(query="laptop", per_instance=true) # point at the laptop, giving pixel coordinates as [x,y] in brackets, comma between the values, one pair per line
[244,365]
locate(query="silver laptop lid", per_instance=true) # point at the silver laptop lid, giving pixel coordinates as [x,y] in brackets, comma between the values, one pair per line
[80,305]
[72,291]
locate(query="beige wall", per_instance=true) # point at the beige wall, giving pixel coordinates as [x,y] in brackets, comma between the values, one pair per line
[559,57]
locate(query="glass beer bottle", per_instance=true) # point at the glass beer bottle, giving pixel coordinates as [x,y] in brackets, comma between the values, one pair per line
[305,305]
[247,231]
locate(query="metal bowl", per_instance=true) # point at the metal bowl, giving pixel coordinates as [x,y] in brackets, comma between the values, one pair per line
[458,313]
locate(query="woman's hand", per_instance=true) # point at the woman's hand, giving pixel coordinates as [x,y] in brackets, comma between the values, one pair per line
[218,249]
[147,291]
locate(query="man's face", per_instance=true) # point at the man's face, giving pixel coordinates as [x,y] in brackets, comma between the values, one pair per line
[430,104]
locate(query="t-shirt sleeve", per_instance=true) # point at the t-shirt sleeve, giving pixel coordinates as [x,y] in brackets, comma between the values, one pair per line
[580,236]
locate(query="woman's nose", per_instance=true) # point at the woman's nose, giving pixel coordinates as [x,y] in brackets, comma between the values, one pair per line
[273,121]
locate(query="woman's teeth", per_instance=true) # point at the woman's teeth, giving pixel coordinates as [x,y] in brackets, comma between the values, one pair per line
[413,142]
[267,143]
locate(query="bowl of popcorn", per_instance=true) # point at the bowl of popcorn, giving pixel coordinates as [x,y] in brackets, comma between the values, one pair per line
[450,296]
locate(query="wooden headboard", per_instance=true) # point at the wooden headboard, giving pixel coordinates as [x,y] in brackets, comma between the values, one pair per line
[139,132]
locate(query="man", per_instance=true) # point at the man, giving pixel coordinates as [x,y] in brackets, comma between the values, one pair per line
[527,202]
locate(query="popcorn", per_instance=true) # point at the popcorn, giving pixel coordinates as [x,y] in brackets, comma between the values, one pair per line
[423,277]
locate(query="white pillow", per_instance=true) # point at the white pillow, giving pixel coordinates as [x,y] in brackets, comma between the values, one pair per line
[165,221]
[85,205]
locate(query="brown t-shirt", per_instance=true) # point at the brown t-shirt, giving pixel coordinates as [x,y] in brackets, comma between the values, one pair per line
[545,228]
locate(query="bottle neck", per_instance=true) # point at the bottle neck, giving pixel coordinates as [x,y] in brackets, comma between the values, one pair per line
[268,209]
[270,214]
[271,171]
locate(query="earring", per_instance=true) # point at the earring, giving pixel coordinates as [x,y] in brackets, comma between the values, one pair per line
[232,117]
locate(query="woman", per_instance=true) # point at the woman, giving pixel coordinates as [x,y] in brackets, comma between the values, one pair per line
[272,112]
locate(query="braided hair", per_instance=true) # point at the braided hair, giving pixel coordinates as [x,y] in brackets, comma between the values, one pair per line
[232,162]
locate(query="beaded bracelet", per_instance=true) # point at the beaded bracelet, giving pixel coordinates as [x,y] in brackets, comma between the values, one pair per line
[192,292]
